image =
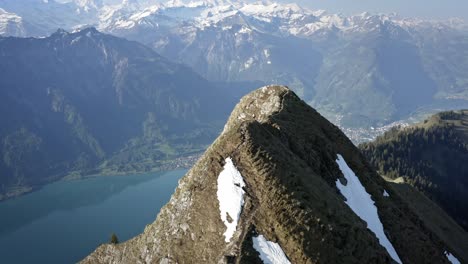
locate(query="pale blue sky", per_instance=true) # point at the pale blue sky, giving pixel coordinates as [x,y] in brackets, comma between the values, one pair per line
[435,9]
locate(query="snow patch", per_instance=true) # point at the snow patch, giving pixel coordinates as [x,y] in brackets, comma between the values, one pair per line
[270,252]
[452,258]
[245,30]
[242,116]
[231,197]
[146,13]
[75,40]
[363,206]
[124,23]
[248,63]
[385,193]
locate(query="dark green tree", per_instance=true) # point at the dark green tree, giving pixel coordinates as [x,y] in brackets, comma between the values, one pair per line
[114,239]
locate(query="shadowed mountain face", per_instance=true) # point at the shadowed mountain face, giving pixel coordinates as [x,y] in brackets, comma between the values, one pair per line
[431,156]
[293,181]
[73,101]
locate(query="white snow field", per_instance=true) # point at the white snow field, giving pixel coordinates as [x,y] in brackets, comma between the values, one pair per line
[385,193]
[363,206]
[270,252]
[452,258]
[231,197]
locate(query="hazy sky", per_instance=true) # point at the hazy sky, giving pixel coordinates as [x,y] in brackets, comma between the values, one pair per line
[435,9]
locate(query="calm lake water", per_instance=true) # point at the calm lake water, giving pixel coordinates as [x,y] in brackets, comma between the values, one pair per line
[65,221]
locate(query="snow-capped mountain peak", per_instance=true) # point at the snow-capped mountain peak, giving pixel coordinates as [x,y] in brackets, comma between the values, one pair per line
[203,3]
[189,15]
[88,5]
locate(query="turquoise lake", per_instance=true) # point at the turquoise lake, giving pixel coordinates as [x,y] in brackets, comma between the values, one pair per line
[65,221]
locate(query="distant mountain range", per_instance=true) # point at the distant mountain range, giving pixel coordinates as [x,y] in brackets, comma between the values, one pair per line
[362,72]
[89,103]
[431,156]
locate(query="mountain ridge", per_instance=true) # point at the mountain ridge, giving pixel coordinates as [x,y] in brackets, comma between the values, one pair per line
[286,154]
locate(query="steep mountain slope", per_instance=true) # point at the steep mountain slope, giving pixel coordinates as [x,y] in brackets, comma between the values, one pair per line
[281,184]
[73,101]
[432,156]
[434,217]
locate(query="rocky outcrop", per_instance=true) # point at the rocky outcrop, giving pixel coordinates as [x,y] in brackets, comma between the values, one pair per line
[287,156]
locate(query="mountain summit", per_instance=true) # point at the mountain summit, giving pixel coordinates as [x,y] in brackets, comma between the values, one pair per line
[281,184]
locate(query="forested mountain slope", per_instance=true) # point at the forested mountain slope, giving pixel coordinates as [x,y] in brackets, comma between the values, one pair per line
[431,156]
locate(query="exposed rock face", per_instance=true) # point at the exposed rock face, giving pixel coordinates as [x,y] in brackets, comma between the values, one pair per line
[286,153]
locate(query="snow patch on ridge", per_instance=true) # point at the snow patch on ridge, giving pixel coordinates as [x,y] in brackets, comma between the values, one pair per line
[231,197]
[451,258]
[270,252]
[385,193]
[363,206]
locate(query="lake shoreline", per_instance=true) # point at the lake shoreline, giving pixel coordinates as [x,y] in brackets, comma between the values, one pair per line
[184,162]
